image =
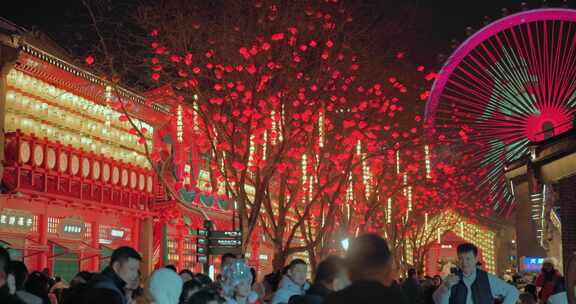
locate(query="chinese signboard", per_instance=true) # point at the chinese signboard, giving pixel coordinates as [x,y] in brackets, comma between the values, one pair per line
[16,220]
[71,228]
[531,264]
[202,246]
[221,242]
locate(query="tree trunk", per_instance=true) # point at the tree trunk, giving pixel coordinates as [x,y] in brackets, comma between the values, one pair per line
[279,259]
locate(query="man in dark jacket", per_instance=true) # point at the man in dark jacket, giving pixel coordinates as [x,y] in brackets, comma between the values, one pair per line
[411,287]
[108,286]
[331,276]
[371,269]
[78,286]
[469,285]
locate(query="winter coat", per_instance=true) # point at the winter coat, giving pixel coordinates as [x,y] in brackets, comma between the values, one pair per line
[367,292]
[165,286]
[7,298]
[315,295]
[28,298]
[547,281]
[558,298]
[288,289]
[412,290]
[250,301]
[107,287]
[74,294]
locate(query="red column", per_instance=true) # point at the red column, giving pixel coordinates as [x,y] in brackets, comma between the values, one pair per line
[136,234]
[95,261]
[43,232]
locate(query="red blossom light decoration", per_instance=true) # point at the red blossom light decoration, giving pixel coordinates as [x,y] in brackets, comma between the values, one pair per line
[89,60]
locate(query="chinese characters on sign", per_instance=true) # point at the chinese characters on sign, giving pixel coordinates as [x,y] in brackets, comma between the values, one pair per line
[16,220]
[71,228]
[531,263]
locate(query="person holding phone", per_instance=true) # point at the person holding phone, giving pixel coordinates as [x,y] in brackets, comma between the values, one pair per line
[470,285]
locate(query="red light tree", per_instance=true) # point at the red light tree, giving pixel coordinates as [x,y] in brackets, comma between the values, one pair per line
[285,107]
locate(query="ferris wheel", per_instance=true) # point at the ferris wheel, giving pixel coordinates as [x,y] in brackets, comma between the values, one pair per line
[511,83]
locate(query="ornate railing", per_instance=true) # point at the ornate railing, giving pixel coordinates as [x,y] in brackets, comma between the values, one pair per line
[41,166]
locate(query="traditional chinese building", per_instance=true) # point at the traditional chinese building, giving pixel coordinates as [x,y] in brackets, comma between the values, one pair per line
[77,182]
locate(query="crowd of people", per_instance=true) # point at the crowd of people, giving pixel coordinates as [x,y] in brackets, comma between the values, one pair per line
[366,275]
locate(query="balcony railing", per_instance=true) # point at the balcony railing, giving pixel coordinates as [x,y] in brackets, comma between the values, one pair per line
[40,166]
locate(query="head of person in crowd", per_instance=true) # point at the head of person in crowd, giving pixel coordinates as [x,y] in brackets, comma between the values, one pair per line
[236,280]
[297,270]
[549,265]
[20,272]
[206,296]
[437,280]
[38,284]
[332,273]
[46,272]
[186,275]
[531,289]
[171,267]
[164,287]
[369,259]
[467,257]
[189,289]
[4,261]
[412,274]
[125,261]
[203,279]
[227,259]
[81,278]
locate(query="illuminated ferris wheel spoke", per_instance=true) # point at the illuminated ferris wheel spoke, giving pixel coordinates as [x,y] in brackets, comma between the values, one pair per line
[511,83]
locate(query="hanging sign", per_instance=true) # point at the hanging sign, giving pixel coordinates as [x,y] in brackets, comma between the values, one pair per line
[16,220]
[71,227]
[221,242]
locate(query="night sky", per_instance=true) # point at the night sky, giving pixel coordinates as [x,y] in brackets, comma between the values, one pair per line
[436,22]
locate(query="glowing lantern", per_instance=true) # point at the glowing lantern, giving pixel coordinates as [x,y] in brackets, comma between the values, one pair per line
[196,114]
[427,160]
[389,211]
[321,130]
[179,124]
[398,161]
[108,97]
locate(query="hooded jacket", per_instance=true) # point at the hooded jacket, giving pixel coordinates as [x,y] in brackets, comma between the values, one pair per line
[288,289]
[165,286]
